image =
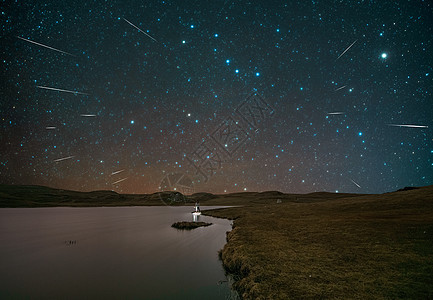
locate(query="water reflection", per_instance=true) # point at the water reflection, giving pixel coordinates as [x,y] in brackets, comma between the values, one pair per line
[121,252]
[195,218]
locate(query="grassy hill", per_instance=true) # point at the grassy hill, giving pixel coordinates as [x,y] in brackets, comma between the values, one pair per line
[357,247]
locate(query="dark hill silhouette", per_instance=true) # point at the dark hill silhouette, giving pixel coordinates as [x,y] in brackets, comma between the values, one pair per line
[40,196]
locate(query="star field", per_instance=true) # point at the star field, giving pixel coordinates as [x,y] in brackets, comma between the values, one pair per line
[140,86]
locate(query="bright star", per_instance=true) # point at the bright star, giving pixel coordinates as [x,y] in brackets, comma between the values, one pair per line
[384,55]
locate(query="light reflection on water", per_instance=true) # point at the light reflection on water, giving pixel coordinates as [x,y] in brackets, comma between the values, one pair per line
[117,252]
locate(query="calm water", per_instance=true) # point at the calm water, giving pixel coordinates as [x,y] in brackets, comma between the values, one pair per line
[109,253]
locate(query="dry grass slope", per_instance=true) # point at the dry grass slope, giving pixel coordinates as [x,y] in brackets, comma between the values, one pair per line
[365,247]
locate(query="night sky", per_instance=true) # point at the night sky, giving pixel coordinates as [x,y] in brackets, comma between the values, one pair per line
[217,96]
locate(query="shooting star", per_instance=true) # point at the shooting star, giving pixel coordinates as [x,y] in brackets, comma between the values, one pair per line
[120,180]
[340,88]
[347,49]
[83,115]
[222,7]
[355,183]
[336,113]
[42,45]
[60,90]
[139,29]
[50,127]
[64,158]
[117,172]
[406,125]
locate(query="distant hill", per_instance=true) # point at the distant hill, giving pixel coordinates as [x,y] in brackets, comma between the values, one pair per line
[42,196]
[408,188]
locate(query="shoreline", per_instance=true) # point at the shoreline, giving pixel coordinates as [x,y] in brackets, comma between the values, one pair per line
[235,269]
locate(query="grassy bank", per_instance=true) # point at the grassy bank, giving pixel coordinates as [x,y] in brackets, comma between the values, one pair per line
[184,225]
[364,247]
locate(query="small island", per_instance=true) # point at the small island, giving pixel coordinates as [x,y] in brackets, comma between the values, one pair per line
[189,225]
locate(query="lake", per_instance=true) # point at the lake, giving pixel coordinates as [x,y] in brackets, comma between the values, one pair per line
[110,253]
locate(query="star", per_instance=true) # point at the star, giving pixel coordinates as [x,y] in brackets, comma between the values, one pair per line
[117,89]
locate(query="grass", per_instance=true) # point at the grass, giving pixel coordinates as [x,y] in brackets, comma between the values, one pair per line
[189,225]
[365,247]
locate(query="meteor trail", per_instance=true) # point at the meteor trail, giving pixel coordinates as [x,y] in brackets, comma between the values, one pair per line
[410,126]
[222,7]
[139,29]
[120,180]
[117,172]
[30,41]
[347,49]
[355,183]
[60,90]
[83,115]
[336,113]
[50,127]
[64,158]
[342,87]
